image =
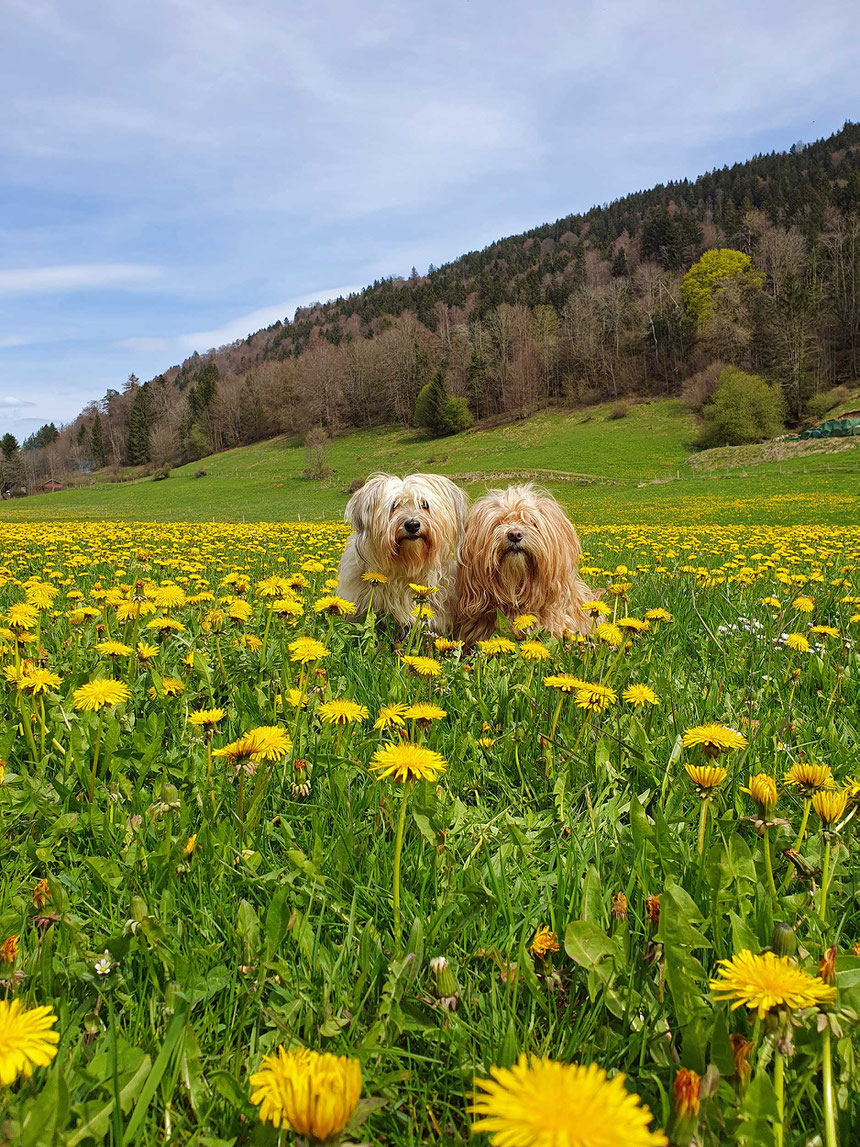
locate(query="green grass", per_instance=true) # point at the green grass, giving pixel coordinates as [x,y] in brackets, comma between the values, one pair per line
[604,470]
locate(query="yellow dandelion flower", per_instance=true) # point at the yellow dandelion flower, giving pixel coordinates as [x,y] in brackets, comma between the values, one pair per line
[307,650]
[100,692]
[797,642]
[523,622]
[206,718]
[658,614]
[342,712]
[762,983]
[803,604]
[38,681]
[564,682]
[634,624]
[608,633]
[424,712]
[145,651]
[596,608]
[713,738]
[808,777]
[595,698]
[390,716]
[374,578]
[762,789]
[423,590]
[405,762]
[446,645]
[541,1103]
[496,645]
[27,1040]
[830,805]
[422,612]
[302,1091]
[640,695]
[773,602]
[545,942]
[534,651]
[113,649]
[21,616]
[422,666]
[296,699]
[287,607]
[337,606]
[706,778]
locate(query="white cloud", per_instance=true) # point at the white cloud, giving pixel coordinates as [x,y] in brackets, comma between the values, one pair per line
[8,401]
[76,277]
[14,340]
[233,329]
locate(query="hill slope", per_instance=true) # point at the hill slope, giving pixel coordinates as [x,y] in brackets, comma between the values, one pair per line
[603,469]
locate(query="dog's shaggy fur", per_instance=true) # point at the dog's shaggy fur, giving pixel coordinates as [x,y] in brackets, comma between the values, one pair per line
[408,529]
[520,554]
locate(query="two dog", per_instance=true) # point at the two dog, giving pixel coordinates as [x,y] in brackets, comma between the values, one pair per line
[515,552]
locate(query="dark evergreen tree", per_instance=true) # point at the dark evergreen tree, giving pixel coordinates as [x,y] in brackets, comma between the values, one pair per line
[8,446]
[139,427]
[13,475]
[98,445]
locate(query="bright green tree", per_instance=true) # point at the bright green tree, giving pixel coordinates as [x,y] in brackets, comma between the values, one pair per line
[716,267]
[745,408]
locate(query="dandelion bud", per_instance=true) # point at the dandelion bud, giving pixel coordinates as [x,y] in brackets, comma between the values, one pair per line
[447,988]
[827,965]
[139,910]
[784,940]
[685,1106]
[762,789]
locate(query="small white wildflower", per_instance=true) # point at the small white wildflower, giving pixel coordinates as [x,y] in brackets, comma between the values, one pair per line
[104,964]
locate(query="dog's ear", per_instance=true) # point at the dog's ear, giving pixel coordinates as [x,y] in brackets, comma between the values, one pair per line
[360,506]
[460,500]
[457,497]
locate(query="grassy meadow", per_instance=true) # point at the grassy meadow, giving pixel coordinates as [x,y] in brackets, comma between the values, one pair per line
[203,859]
[605,470]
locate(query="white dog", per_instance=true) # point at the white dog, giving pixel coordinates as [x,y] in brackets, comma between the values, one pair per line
[408,529]
[520,554]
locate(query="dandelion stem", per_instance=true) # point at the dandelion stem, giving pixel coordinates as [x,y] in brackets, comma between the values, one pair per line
[825,882]
[703,821]
[96,748]
[807,805]
[768,863]
[830,1138]
[779,1088]
[398,850]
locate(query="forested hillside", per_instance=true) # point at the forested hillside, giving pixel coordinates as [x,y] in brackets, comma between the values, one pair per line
[602,305]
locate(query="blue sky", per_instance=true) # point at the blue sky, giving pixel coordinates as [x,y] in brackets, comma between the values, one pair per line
[177,173]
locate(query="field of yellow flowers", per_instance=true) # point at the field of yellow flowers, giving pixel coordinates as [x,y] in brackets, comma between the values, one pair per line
[270,875]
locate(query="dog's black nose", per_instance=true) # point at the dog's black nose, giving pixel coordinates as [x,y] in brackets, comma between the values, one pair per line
[412,526]
[515,536]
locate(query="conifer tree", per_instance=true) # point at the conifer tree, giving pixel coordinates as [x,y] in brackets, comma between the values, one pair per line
[139,425]
[98,446]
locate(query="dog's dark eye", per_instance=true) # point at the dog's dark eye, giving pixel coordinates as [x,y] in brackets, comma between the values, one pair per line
[424,505]
[393,507]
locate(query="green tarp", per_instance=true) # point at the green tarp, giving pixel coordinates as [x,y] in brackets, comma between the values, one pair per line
[836,428]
